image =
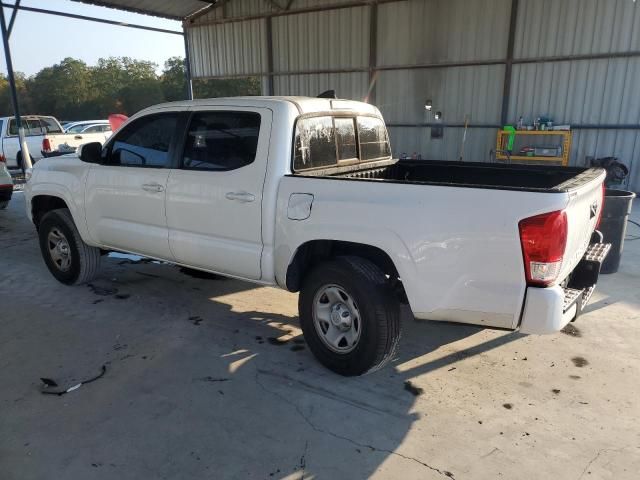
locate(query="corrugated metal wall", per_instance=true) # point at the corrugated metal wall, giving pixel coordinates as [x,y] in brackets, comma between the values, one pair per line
[470,37]
[582,92]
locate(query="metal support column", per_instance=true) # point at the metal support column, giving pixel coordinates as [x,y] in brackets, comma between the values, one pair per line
[269,31]
[187,65]
[373,53]
[508,71]
[14,14]
[26,158]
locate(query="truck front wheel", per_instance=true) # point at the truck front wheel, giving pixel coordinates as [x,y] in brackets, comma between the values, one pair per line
[66,255]
[349,315]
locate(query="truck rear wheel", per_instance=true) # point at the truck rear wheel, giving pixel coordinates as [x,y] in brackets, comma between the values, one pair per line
[349,315]
[66,255]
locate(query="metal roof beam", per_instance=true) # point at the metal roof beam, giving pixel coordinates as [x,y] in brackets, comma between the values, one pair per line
[17,6]
[13,18]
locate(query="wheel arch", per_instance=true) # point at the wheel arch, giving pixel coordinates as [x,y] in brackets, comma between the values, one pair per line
[41,204]
[312,252]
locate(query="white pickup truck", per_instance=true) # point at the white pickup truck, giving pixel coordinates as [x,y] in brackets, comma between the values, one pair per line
[302,193]
[44,136]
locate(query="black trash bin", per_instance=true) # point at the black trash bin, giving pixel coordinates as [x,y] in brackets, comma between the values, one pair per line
[617,207]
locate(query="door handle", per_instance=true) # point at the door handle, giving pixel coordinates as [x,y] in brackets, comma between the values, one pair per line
[78,137]
[244,197]
[153,187]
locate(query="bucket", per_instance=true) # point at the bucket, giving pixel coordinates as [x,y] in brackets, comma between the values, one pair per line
[617,207]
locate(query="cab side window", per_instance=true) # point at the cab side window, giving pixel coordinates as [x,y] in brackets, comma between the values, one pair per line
[315,143]
[31,127]
[145,142]
[221,140]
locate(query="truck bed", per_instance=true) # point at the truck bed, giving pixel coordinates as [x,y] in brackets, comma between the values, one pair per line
[536,178]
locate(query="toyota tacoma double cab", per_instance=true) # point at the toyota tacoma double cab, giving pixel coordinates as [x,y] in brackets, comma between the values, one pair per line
[303,194]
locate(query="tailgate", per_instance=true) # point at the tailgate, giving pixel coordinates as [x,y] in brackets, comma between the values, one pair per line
[64,142]
[583,212]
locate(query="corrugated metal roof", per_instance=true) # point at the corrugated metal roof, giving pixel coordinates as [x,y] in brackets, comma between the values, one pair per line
[176,10]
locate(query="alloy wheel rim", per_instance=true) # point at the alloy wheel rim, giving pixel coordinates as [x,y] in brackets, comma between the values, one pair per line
[59,249]
[336,318]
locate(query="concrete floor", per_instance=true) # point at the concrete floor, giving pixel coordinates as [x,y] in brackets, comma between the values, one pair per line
[196,386]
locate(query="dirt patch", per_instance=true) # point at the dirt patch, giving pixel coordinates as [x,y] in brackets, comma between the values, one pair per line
[575,377]
[556,391]
[580,362]
[572,330]
[508,406]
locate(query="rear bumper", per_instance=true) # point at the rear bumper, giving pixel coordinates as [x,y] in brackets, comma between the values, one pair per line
[548,310]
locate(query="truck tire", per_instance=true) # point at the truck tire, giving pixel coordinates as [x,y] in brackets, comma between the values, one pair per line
[68,258]
[349,315]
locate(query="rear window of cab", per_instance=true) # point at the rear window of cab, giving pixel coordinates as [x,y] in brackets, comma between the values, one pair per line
[328,141]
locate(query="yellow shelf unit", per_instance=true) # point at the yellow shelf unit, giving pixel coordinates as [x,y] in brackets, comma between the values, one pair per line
[503,138]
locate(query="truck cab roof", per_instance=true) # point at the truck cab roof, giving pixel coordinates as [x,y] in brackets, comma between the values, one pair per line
[304,105]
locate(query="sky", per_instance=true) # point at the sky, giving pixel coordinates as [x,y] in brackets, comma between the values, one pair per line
[39,40]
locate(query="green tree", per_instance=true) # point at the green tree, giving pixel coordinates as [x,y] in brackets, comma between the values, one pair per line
[174,80]
[24,96]
[62,89]
[140,94]
[72,90]
[233,87]
[113,79]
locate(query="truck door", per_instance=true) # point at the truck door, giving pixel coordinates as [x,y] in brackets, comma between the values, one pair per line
[125,196]
[214,197]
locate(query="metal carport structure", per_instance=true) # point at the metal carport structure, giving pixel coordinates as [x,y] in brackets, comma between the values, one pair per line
[180,11]
[488,61]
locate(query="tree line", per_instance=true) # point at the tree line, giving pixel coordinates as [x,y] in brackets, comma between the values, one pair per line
[73,90]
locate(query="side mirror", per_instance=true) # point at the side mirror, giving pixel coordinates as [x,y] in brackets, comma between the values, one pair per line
[90,152]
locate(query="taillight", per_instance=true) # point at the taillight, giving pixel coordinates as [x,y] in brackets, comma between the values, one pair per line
[544,239]
[46,145]
[602,196]
[3,159]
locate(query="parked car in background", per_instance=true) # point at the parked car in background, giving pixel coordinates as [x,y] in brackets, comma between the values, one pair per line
[36,128]
[75,127]
[45,137]
[6,185]
[91,128]
[302,193]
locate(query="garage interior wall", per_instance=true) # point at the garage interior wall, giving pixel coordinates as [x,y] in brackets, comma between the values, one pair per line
[577,61]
